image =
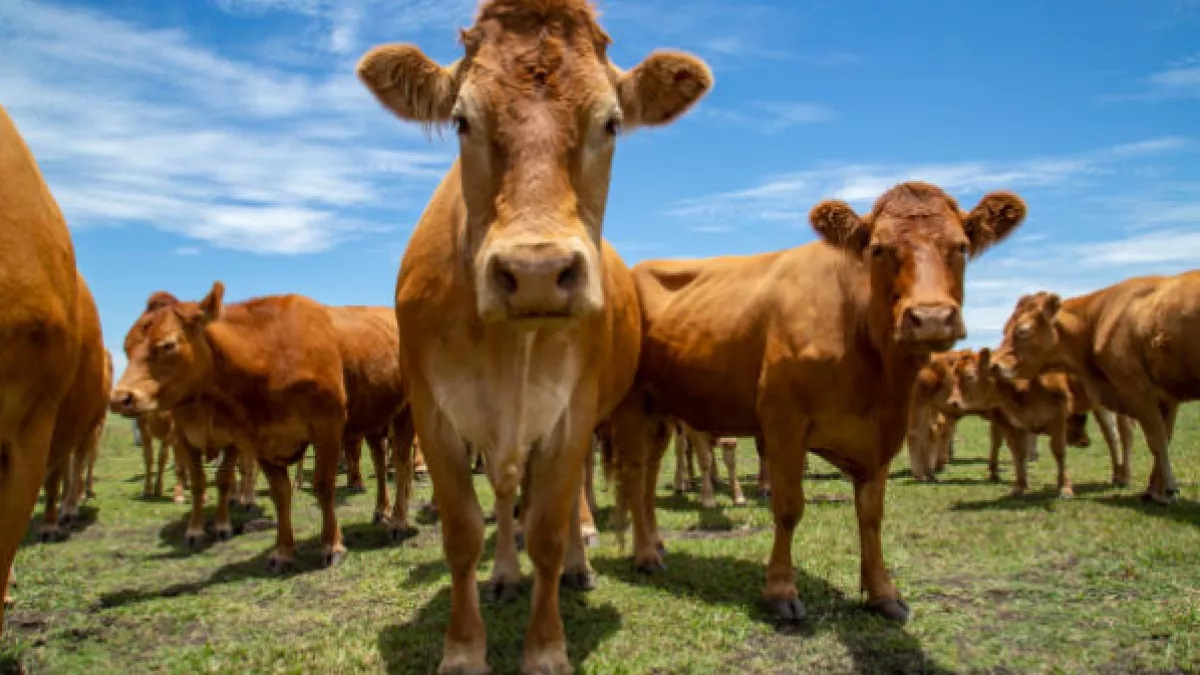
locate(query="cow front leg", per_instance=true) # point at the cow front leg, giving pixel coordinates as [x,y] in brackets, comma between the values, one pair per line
[379,461]
[681,479]
[638,437]
[222,527]
[996,439]
[729,454]
[883,598]
[181,472]
[353,455]
[1020,443]
[249,468]
[280,485]
[1125,433]
[1104,421]
[505,582]
[787,452]
[764,476]
[49,530]
[401,437]
[1058,447]
[147,458]
[577,571]
[194,536]
[327,449]
[160,474]
[701,443]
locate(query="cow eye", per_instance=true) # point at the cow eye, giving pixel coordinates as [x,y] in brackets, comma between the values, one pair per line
[963,249]
[613,126]
[167,347]
[878,251]
[461,126]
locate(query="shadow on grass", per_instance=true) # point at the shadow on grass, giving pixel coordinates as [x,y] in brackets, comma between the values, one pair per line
[1046,499]
[416,646]
[86,517]
[875,645]
[1186,512]
[172,534]
[358,538]
[11,665]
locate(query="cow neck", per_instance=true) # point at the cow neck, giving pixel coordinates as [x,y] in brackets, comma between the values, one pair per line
[223,379]
[1075,326]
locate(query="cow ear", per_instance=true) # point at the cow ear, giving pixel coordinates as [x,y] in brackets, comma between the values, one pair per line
[409,83]
[985,360]
[993,219]
[1051,303]
[837,223]
[662,88]
[213,304]
[160,299]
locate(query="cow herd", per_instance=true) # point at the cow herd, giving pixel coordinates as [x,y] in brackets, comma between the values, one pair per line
[519,337]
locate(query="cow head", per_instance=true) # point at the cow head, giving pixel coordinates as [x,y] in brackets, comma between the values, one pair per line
[168,353]
[916,242]
[537,108]
[972,388]
[1031,339]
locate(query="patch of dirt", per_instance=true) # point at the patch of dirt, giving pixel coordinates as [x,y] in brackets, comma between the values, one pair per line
[703,534]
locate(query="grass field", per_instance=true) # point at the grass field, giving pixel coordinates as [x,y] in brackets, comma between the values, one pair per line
[1099,584]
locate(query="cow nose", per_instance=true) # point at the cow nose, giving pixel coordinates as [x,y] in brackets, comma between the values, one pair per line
[538,284]
[121,401]
[932,323]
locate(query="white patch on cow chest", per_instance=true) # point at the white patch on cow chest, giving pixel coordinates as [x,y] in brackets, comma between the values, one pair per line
[477,389]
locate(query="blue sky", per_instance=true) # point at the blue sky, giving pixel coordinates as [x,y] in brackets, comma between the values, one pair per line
[194,140]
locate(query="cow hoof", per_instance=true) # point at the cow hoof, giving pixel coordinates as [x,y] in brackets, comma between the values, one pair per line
[891,609]
[740,501]
[278,564]
[502,591]
[403,533]
[49,536]
[787,609]
[1066,494]
[661,549]
[993,478]
[224,533]
[377,518]
[1150,497]
[90,494]
[708,503]
[233,502]
[334,558]
[463,669]
[579,581]
[553,665]
[248,507]
[520,540]
[180,499]
[194,540]
[652,567]
[765,494]
[358,490]
[64,520]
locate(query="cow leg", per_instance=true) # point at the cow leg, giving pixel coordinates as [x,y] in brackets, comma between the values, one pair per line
[22,470]
[681,462]
[1157,426]
[1058,447]
[505,582]
[883,598]
[639,442]
[181,472]
[300,469]
[945,444]
[379,461]
[353,455]
[1019,443]
[280,485]
[147,456]
[764,478]
[996,438]
[49,530]
[729,452]
[159,477]
[327,446]
[552,507]
[230,459]
[80,461]
[1125,433]
[401,440]
[702,444]
[587,522]
[195,529]
[589,491]
[787,452]
[1104,420]
[249,468]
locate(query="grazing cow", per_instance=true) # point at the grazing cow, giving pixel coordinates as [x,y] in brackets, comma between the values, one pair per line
[1051,404]
[264,377]
[521,325]
[159,425]
[52,353]
[815,348]
[1134,345]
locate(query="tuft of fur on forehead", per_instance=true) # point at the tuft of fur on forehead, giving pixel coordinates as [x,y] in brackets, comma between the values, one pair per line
[160,299]
[913,199]
[539,19]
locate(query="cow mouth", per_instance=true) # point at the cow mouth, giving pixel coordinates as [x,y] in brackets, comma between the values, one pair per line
[926,347]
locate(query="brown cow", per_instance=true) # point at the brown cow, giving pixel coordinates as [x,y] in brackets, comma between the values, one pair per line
[931,423]
[263,376]
[1019,410]
[1134,345]
[816,347]
[701,444]
[52,354]
[521,326]
[81,465]
[159,425]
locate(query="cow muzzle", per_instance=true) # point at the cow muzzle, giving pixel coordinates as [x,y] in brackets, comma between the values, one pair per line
[543,283]
[128,402]
[933,327]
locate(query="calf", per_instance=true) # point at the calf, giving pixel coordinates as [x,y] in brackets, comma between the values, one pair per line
[931,423]
[816,348]
[1134,345]
[51,364]
[521,325]
[263,377]
[159,425]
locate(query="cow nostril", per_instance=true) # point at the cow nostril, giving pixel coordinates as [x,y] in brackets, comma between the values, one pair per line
[915,319]
[504,279]
[569,276]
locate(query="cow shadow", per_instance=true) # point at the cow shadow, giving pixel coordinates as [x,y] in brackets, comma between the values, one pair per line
[1044,499]
[87,517]
[1186,512]
[416,646]
[172,534]
[875,645]
[359,538]
[11,665]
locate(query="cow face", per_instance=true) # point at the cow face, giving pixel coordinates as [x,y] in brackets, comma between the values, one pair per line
[1030,337]
[971,388]
[916,242]
[537,108]
[169,356]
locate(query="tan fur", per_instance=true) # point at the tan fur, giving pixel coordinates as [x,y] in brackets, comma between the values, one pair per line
[1134,345]
[520,325]
[159,426]
[812,349]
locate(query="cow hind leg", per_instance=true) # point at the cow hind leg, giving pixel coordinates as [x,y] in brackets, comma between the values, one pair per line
[280,485]
[1104,421]
[230,459]
[379,461]
[49,530]
[702,444]
[181,472]
[1058,447]
[194,536]
[764,477]
[995,439]
[328,446]
[248,465]
[681,461]
[729,454]
[160,475]
[353,454]
[1125,433]
[401,439]
[147,459]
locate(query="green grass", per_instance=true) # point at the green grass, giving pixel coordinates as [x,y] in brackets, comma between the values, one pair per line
[1099,584]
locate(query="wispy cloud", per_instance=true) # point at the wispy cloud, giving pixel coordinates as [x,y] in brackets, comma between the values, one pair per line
[142,125]
[1158,247]
[1180,79]
[860,184]
[774,117]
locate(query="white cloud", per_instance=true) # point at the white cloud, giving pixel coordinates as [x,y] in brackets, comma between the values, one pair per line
[1158,247]
[775,117]
[138,125]
[187,250]
[1180,79]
